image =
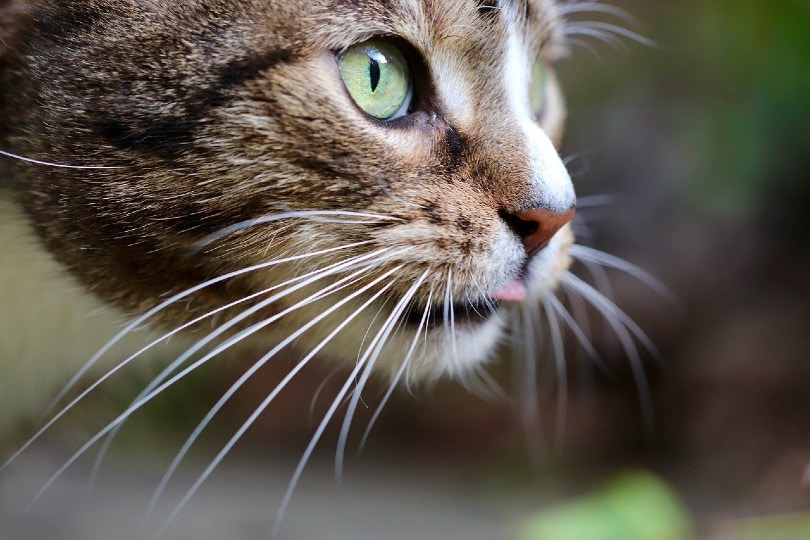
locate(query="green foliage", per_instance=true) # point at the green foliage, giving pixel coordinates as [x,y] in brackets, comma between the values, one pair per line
[635,506]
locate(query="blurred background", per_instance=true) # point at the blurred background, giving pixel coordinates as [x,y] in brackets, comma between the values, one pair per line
[692,161]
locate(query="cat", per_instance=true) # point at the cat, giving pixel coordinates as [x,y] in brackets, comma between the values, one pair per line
[377,183]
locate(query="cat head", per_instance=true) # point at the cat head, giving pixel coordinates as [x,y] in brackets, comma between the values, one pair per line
[353,176]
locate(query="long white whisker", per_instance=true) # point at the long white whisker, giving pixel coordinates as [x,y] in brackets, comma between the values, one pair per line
[400,372]
[225,397]
[484,296]
[618,321]
[562,373]
[307,278]
[388,327]
[490,386]
[138,321]
[596,7]
[584,253]
[613,29]
[51,164]
[225,345]
[328,216]
[595,200]
[120,366]
[350,381]
[606,306]
[600,34]
[450,318]
[585,45]
[318,391]
[581,336]
[600,277]
[527,383]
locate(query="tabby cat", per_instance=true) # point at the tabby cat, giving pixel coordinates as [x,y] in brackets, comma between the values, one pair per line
[375,183]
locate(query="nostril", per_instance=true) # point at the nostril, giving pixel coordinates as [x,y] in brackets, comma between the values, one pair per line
[537,226]
[521,227]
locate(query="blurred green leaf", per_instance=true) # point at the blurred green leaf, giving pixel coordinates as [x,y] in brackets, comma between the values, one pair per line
[635,506]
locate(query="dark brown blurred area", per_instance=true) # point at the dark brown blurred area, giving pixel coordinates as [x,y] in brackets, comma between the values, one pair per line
[705,141]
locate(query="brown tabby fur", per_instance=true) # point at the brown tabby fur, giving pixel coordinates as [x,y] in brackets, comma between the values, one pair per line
[213,112]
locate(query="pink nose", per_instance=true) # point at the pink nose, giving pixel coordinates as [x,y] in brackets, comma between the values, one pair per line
[537,226]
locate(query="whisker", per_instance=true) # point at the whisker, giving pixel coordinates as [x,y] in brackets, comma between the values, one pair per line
[51,164]
[562,374]
[370,360]
[568,160]
[307,278]
[138,321]
[581,336]
[591,201]
[585,45]
[605,37]
[315,215]
[599,275]
[238,384]
[620,315]
[402,369]
[528,381]
[450,318]
[135,406]
[618,320]
[609,29]
[584,253]
[491,387]
[316,438]
[318,391]
[483,296]
[596,7]
[121,365]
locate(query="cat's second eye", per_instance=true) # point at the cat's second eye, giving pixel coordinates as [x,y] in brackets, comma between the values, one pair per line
[539,88]
[377,76]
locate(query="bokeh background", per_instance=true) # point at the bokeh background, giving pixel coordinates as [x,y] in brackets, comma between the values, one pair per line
[692,160]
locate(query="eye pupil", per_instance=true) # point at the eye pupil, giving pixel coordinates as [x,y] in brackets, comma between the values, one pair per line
[374,73]
[377,77]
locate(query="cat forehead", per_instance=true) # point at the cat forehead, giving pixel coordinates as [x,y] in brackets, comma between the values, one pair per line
[432,20]
[421,21]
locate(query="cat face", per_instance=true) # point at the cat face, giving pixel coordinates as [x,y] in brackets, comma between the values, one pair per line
[234,157]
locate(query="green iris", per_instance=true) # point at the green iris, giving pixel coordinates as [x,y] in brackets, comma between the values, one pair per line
[538,91]
[377,76]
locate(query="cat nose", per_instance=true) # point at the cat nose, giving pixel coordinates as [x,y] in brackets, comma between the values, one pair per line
[537,226]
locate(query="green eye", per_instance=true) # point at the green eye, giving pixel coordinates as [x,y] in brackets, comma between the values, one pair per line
[538,92]
[377,76]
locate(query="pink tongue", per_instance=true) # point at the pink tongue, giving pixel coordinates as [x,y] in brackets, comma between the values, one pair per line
[512,291]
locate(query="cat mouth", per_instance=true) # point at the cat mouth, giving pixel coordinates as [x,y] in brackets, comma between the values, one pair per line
[475,311]
[470,311]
